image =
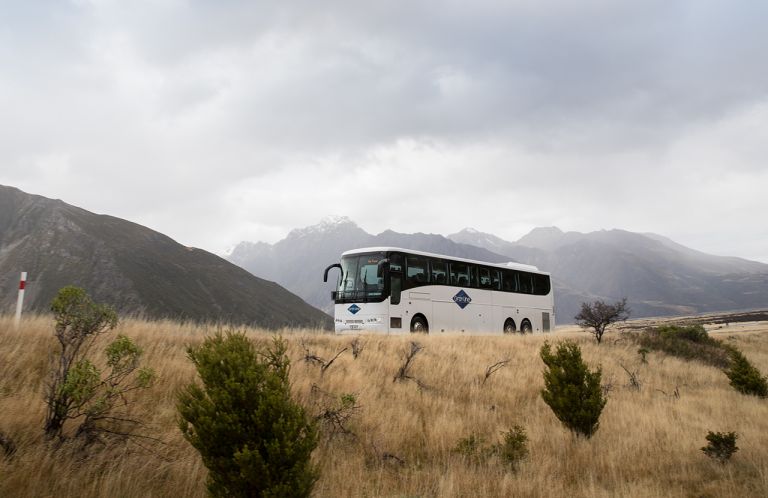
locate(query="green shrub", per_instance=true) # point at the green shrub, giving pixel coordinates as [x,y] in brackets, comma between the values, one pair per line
[572,391]
[79,391]
[688,342]
[721,446]
[254,440]
[744,377]
[514,447]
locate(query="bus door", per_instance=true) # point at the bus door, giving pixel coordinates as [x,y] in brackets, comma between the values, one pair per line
[397,322]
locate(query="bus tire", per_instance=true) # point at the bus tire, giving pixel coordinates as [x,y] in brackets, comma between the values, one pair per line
[509,326]
[526,327]
[419,325]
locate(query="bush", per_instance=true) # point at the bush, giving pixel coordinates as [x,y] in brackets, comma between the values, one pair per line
[571,390]
[721,446]
[78,389]
[688,342]
[254,440]
[512,450]
[514,447]
[744,377]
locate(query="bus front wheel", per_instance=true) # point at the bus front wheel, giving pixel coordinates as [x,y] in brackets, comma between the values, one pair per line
[419,325]
[526,328]
[509,326]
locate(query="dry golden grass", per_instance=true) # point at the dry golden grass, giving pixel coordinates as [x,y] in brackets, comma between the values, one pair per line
[648,443]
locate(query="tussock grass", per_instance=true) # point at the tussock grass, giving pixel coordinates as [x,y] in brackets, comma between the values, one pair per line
[648,443]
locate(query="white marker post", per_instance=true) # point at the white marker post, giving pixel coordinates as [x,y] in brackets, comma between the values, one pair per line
[20,302]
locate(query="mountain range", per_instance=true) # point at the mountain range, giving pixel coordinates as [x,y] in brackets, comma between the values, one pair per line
[137,270]
[658,276]
[142,272]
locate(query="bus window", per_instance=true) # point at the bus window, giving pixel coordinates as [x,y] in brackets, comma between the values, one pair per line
[509,281]
[473,276]
[526,282]
[416,271]
[485,278]
[460,274]
[541,285]
[439,271]
[495,279]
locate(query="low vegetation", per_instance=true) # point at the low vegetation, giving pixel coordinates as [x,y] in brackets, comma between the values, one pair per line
[253,438]
[720,446]
[398,438]
[744,377]
[79,392]
[571,389]
[692,342]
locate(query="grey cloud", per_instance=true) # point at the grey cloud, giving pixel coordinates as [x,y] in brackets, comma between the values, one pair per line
[178,103]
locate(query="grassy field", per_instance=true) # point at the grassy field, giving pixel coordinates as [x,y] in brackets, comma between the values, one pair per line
[648,443]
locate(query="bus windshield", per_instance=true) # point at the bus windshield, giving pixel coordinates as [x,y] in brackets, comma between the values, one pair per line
[359,278]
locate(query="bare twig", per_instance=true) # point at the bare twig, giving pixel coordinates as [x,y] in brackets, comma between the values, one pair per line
[335,412]
[403,372]
[674,394]
[634,380]
[327,364]
[495,367]
[310,357]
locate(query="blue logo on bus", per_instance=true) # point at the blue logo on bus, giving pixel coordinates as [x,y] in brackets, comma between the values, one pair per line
[462,299]
[353,309]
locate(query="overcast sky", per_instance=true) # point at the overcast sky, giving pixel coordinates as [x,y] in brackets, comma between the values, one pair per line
[220,121]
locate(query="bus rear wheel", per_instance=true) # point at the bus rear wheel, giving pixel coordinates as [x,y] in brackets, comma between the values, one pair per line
[526,327]
[419,325]
[509,326]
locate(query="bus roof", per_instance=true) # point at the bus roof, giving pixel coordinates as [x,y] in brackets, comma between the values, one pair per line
[510,265]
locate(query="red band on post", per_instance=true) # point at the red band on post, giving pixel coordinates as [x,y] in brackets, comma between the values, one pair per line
[21,285]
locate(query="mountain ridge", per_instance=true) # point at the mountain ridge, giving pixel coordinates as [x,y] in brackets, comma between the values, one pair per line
[135,269]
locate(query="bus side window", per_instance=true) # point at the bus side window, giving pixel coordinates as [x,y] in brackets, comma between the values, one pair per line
[526,284]
[416,271]
[439,271]
[541,285]
[460,274]
[473,276]
[496,279]
[485,278]
[507,281]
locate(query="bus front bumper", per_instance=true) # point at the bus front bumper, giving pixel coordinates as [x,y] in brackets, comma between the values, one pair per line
[357,325]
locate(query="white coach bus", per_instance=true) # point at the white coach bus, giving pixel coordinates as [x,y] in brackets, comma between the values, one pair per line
[393,290]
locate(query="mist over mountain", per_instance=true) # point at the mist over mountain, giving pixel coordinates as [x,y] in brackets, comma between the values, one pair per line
[658,276]
[133,268]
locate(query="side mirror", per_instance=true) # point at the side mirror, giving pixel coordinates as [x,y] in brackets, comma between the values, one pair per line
[325,275]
